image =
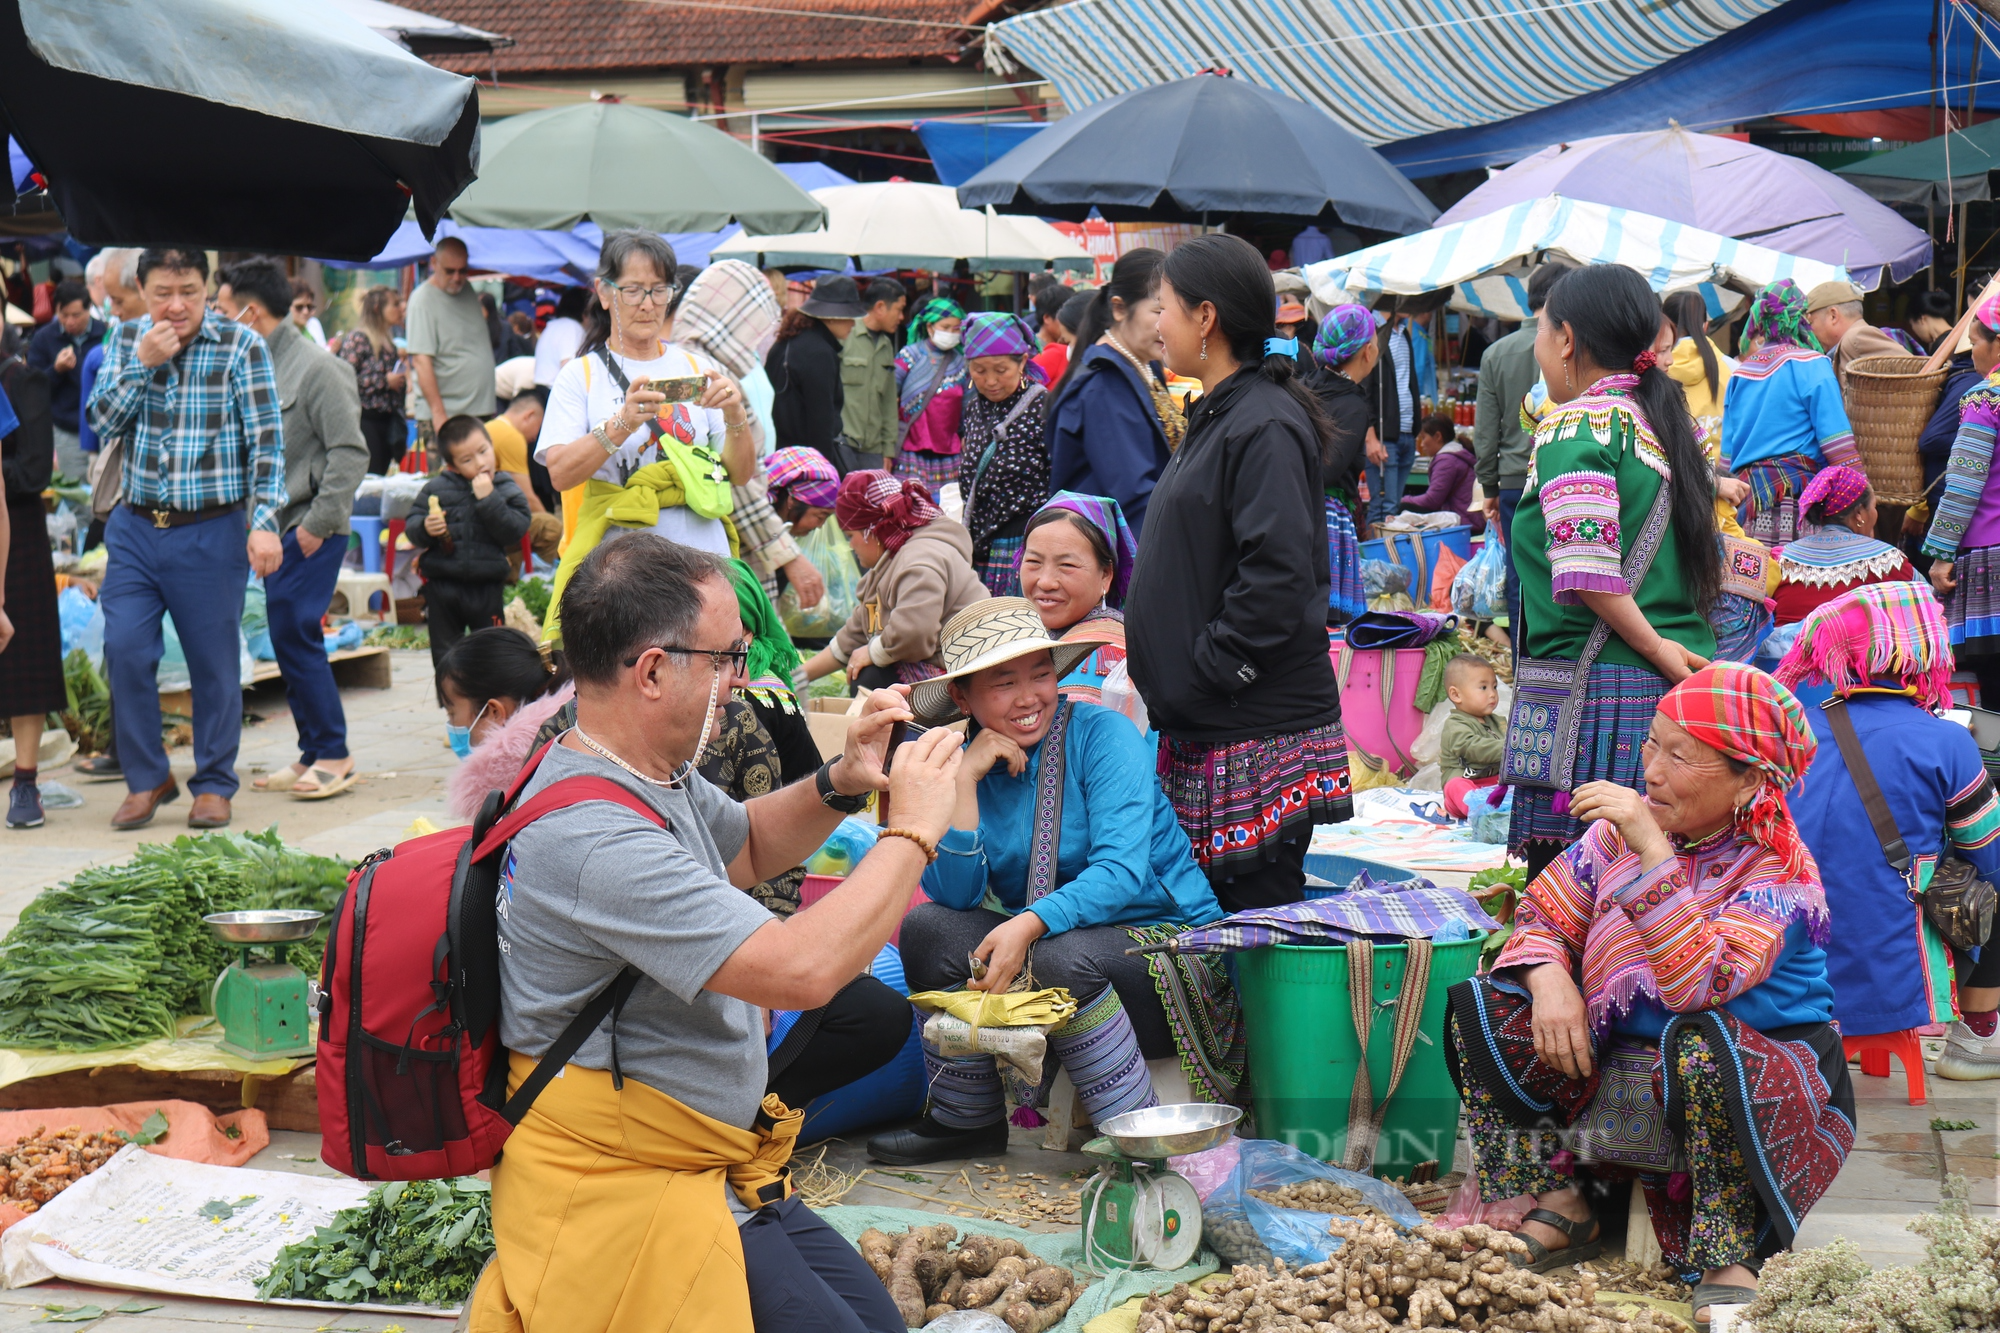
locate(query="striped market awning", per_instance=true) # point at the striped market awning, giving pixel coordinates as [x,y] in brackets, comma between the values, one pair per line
[1387,70]
[1486,260]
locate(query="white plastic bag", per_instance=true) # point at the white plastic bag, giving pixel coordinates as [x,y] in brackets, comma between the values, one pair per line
[1120,693]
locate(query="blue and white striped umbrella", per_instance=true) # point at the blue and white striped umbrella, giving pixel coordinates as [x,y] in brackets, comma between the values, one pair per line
[1487,260]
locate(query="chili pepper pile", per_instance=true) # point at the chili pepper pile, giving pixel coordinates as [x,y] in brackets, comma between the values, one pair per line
[114,956]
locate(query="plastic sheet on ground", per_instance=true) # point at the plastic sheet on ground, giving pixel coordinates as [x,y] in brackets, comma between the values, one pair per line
[1259,1230]
[149,1223]
[1414,845]
[198,1047]
[1064,1248]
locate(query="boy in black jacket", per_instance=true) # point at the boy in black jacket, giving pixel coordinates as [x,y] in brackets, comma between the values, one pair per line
[465,521]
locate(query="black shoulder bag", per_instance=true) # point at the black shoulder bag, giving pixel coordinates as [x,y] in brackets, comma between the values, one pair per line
[1957,902]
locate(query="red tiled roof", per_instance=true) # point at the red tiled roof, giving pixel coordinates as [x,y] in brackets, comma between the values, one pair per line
[558,36]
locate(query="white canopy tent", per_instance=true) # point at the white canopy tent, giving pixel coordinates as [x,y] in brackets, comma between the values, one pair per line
[1485,261]
[903,224]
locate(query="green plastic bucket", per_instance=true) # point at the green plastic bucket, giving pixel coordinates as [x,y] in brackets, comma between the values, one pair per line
[1303,1052]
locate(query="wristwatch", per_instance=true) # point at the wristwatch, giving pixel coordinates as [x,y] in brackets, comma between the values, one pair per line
[831,798]
[602,436]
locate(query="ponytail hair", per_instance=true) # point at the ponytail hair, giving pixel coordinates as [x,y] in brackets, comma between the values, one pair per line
[1134,278]
[1615,317]
[1690,316]
[1226,271]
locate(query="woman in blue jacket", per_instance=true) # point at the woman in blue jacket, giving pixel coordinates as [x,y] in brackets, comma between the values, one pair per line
[1063,854]
[1112,424]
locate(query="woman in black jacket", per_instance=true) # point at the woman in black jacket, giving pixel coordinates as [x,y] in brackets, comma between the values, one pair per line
[804,366]
[1226,619]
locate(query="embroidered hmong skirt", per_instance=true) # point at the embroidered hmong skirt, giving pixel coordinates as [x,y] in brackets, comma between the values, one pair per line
[1784,1094]
[935,471]
[999,565]
[1343,552]
[1771,514]
[1741,616]
[1234,798]
[1617,714]
[1973,611]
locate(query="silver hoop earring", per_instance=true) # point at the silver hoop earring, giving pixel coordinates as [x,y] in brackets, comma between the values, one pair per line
[1204,349]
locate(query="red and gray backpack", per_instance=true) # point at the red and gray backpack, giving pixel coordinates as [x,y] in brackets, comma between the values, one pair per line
[412,1078]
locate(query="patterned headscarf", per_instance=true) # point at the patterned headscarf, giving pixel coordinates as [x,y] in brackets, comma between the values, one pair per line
[1343,333]
[727,310]
[805,475]
[1753,719]
[1987,312]
[1104,514]
[774,662]
[1893,630]
[1778,313]
[887,508]
[1837,489]
[993,333]
[929,313]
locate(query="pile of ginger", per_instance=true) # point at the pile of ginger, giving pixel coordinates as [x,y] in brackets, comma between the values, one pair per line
[927,1280]
[1380,1279]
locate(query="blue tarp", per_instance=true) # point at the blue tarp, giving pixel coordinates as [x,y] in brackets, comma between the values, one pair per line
[960,151]
[811,176]
[18,166]
[1806,57]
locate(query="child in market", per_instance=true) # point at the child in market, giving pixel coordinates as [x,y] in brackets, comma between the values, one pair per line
[1474,739]
[464,523]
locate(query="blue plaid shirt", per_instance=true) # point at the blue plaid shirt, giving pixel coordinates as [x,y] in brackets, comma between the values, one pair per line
[202,430]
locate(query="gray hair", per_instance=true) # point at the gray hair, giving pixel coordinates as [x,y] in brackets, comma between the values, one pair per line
[120,266]
[94,270]
[620,246]
[1851,309]
[638,592]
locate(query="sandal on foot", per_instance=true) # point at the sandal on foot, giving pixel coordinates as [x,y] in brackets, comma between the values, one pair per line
[325,782]
[1540,1258]
[282,780]
[1716,1293]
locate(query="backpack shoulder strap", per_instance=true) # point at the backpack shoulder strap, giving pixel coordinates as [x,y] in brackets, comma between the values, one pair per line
[1894,850]
[558,796]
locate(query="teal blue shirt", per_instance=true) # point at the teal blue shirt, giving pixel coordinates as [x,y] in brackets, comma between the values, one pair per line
[1122,860]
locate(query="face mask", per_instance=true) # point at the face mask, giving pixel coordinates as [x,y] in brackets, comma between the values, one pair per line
[461,737]
[944,340]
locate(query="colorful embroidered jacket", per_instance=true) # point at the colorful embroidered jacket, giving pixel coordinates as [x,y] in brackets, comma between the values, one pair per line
[1968,513]
[1785,402]
[1831,563]
[1592,479]
[1717,926]
[1889,968]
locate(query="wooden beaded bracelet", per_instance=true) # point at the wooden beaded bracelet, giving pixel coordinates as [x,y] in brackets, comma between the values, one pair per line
[925,844]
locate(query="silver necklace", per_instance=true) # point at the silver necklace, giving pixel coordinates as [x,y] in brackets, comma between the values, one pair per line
[673,783]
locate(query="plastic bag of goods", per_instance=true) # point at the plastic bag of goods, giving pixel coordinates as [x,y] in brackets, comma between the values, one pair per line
[843,849]
[1480,588]
[826,547]
[1276,1203]
[1121,694]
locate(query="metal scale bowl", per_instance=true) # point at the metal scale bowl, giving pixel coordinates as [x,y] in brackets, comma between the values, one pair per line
[262,1004]
[1136,1212]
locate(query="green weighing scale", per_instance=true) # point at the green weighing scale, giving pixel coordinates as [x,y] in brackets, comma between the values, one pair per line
[1137,1213]
[262,1004]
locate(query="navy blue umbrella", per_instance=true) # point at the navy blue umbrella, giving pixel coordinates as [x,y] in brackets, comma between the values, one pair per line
[1201,149]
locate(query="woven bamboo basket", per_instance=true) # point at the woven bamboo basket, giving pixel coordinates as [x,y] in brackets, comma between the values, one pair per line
[1889,401]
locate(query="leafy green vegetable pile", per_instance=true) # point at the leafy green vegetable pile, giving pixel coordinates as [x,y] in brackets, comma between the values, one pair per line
[420,1241]
[1498,890]
[534,594]
[112,957]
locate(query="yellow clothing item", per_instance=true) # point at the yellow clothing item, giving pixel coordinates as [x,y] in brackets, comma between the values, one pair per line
[608,1212]
[1706,409]
[1012,1009]
[636,504]
[572,502]
[510,447]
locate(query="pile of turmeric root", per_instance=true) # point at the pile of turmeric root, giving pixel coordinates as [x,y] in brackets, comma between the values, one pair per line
[1381,1278]
[927,1279]
[43,1165]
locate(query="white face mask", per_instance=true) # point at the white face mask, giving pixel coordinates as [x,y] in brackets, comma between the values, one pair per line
[944,339]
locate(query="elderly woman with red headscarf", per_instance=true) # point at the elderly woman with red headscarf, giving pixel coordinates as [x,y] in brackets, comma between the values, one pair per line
[919,575]
[1698,1053]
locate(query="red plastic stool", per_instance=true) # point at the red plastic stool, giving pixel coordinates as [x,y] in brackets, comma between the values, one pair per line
[1875,1050]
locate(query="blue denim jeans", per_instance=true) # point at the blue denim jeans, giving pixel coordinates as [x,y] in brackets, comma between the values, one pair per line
[296,595]
[1385,492]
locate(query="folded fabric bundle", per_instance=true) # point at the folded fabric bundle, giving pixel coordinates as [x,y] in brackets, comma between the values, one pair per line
[1399,629]
[1417,909]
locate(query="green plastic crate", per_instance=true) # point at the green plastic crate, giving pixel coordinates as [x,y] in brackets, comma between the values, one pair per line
[1303,1052]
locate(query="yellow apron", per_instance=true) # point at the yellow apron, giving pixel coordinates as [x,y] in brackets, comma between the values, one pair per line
[608,1211]
[605,505]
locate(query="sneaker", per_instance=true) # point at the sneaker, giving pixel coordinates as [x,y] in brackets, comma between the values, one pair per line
[927,1141]
[24,806]
[1968,1057]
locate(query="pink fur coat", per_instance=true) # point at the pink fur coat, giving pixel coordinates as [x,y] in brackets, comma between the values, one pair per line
[495,760]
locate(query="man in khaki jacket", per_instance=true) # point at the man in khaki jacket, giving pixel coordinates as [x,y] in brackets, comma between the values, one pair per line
[868,380]
[1833,310]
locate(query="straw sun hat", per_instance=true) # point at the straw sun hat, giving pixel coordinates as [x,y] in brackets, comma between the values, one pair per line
[984,635]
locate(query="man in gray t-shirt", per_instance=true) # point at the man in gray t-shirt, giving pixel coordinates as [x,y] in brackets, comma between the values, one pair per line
[449,346]
[655,641]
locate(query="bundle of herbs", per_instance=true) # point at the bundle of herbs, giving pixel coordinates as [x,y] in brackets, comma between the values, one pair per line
[114,956]
[418,1242]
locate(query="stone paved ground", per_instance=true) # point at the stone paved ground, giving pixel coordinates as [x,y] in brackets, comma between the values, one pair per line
[1894,1173]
